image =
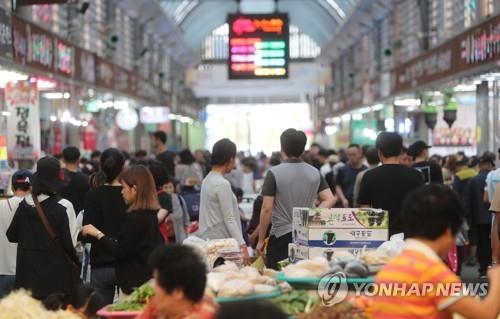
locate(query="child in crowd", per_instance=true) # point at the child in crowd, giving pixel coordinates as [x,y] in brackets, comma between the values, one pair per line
[179,218]
[421,264]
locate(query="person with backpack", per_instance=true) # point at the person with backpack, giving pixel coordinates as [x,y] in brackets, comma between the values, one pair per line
[139,234]
[44,227]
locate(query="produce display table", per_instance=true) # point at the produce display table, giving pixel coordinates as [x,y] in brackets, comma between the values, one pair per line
[312,282]
[117,314]
[270,295]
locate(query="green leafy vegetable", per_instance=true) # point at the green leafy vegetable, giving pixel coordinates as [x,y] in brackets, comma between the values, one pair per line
[136,301]
[296,302]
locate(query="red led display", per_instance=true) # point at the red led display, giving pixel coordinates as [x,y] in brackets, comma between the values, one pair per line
[258,46]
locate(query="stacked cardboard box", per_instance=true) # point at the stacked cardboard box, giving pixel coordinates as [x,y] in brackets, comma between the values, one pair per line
[324,232]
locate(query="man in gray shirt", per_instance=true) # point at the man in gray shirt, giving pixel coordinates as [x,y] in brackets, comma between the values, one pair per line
[290,184]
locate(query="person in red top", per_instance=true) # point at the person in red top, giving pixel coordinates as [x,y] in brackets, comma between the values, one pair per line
[179,285]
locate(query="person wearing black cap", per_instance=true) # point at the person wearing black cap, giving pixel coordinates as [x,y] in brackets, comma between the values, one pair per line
[431,172]
[21,186]
[386,186]
[78,183]
[42,265]
[478,210]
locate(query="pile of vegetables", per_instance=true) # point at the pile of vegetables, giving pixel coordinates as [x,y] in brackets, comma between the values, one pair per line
[136,301]
[19,304]
[297,302]
[343,310]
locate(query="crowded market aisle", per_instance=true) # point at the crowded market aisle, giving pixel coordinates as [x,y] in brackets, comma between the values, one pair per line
[139,267]
[234,159]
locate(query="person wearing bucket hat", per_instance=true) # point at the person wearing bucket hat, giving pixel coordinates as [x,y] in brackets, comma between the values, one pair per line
[431,172]
[40,257]
[21,186]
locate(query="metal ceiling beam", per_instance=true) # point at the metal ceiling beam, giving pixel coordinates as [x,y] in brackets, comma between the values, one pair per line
[367,12]
[151,14]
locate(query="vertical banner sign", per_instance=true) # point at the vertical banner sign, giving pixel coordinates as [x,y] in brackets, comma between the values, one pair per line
[23,124]
[258,46]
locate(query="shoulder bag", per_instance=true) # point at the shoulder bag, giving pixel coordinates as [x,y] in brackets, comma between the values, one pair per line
[74,267]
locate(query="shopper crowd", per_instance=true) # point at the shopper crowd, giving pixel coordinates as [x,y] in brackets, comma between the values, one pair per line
[122,216]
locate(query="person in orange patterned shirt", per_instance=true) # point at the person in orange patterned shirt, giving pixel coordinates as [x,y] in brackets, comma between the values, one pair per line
[179,286]
[417,283]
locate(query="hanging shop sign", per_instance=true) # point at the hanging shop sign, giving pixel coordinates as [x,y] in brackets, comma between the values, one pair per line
[23,123]
[473,48]
[154,114]
[104,74]
[125,81]
[258,46]
[40,49]
[32,45]
[85,66]
[127,119]
[5,35]
[147,90]
[64,62]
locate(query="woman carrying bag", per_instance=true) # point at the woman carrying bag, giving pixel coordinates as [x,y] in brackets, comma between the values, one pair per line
[44,227]
[139,234]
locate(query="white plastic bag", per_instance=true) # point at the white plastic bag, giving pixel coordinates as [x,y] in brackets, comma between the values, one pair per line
[393,247]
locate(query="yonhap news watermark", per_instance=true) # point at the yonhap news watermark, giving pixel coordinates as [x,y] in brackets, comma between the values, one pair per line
[333,289]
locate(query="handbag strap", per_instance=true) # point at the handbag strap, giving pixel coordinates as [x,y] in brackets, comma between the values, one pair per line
[43,217]
[51,231]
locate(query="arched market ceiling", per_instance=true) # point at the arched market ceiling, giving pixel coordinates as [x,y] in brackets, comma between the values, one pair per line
[318,18]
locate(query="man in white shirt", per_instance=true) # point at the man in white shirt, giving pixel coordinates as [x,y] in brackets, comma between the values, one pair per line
[492,182]
[21,186]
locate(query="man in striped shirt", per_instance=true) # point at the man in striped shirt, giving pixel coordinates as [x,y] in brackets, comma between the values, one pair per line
[422,285]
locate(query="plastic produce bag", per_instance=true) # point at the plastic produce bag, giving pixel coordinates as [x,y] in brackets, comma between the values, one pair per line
[199,245]
[393,247]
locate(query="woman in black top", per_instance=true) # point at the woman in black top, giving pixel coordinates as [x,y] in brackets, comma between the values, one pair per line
[42,267]
[139,234]
[105,209]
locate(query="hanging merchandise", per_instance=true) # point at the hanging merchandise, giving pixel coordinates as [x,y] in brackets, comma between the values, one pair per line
[450,107]
[430,111]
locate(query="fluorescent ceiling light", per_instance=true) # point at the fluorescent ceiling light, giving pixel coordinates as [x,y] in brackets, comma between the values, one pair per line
[120,105]
[357,117]
[53,95]
[407,102]
[331,129]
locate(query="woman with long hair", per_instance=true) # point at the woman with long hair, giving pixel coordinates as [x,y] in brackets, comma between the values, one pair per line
[105,209]
[44,227]
[139,234]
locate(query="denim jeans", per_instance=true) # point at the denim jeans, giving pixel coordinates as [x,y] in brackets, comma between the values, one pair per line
[6,284]
[103,280]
